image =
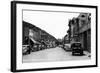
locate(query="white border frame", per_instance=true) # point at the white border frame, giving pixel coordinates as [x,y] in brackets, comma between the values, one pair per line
[21,66]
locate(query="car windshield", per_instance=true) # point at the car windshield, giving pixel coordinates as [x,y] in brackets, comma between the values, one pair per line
[76,44]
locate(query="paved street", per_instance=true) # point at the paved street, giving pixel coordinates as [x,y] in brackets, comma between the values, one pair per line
[52,54]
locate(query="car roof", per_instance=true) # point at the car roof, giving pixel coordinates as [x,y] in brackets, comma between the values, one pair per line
[76,42]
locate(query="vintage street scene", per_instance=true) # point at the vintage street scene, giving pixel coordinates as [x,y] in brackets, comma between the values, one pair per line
[54,36]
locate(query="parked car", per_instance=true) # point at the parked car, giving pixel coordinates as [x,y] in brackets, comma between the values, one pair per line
[60,45]
[76,48]
[36,47]
[42,47]
[25,49]
[67,47]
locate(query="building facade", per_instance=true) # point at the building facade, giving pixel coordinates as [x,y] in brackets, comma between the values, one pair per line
[80,30]
[38,37]
[85,30]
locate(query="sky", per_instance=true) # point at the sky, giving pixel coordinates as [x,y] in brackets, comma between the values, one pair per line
[55,23]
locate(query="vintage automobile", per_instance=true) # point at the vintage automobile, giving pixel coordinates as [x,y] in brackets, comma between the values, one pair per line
[43,45]
[60,45]
[35,47]
[67,47]
[77,49]
[25,49]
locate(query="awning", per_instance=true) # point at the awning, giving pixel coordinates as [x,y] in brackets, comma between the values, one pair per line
[35,41]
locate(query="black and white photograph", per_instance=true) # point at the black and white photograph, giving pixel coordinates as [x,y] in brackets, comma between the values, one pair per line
[49,36]
[56,36]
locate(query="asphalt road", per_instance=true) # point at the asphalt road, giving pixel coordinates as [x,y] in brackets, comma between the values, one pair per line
[52,54]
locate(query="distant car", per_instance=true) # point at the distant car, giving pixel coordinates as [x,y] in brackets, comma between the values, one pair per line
[76,48]
[67,47]
[25,49]
[60,45]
